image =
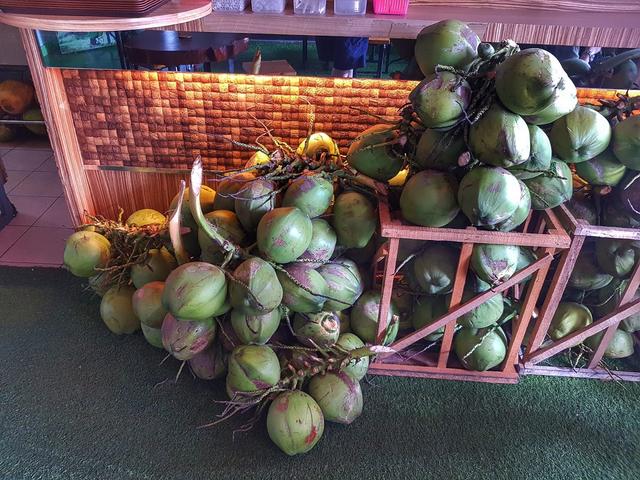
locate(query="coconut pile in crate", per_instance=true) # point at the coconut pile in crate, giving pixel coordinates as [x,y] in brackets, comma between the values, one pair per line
[608,194]
[486,137]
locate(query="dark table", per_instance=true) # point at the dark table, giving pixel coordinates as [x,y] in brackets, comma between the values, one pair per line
[172,49]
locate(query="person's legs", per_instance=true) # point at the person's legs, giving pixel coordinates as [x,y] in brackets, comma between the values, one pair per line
[7,209]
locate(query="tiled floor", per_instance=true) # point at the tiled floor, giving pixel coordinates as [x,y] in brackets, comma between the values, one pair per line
[37,235]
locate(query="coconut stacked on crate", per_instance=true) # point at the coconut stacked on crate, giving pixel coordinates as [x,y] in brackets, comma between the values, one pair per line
[253,283]
[604,142]
[473,149]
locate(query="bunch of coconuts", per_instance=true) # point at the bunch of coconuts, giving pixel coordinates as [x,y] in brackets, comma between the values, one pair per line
[248,318]
[483,157]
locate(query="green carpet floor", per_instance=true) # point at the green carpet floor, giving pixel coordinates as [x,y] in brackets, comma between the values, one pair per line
[77,402]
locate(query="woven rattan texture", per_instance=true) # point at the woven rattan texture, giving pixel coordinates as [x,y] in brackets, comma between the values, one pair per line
[165,119]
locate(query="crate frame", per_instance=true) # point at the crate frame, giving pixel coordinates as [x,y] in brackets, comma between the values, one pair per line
[549,237]
[538,350]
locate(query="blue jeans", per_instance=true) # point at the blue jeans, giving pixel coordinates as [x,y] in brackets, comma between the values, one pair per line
[7,210]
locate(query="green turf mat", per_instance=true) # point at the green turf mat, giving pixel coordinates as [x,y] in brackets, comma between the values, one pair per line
[78,402]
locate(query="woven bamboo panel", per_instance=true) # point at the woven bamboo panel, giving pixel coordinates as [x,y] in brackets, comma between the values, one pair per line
[130,191]
[165,119]
[585,36]
[603,6]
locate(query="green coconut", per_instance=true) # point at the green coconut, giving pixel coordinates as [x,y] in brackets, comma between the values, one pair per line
[518,217]
[116,310]
[620,346]
[207,198]
[549,191]
[357,368]
[209,364]
[485,314]
[569,317]
[251,368]
[255,329]
[614,215]
[255,289]
[147,304]
[617,257]
[157,267]
[7,133]
[317,329]
[480,349]
[153,336]
[364,318]
[532,82]
[146,216]
[295,422]
[489,195]
[228,189]
[437,151]
[583,207]
[228,226]
[626,142]
[603,169]
[284,234]
[429,199]
[345,322]
[586,274]
[435,268]
[344,284]
[372,153]
[500,138]
[195,291]
[85,252]
[580,135]
[426,310]
[448,42]
[305,291]
[35,114]
[441,99]
[494,263]
[338,395]
[322,245]
[525,258]
[539,159]
[608,299]
[253,201]
[310,193]
[354,219]
[184,339]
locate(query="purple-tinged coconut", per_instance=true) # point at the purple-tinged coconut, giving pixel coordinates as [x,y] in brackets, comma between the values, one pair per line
[295,422]
[184,339]
[251,368]
[209,364]
[338,395]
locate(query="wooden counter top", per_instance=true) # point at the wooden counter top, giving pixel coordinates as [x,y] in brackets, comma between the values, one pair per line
[613,23]
[172,13]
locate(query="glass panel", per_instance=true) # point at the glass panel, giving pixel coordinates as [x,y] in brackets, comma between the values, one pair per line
[296,55]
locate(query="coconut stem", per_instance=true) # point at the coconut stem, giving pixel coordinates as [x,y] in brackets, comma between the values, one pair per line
[174,229]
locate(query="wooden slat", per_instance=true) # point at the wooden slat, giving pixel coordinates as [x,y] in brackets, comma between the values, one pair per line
[454,314]
[456,299]
[627,296]
[459,374]
[579,336]
[594,373]
[387,289]
[556,290]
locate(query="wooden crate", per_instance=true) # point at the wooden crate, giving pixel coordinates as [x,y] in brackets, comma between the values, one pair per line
[542,231]
[540,348]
